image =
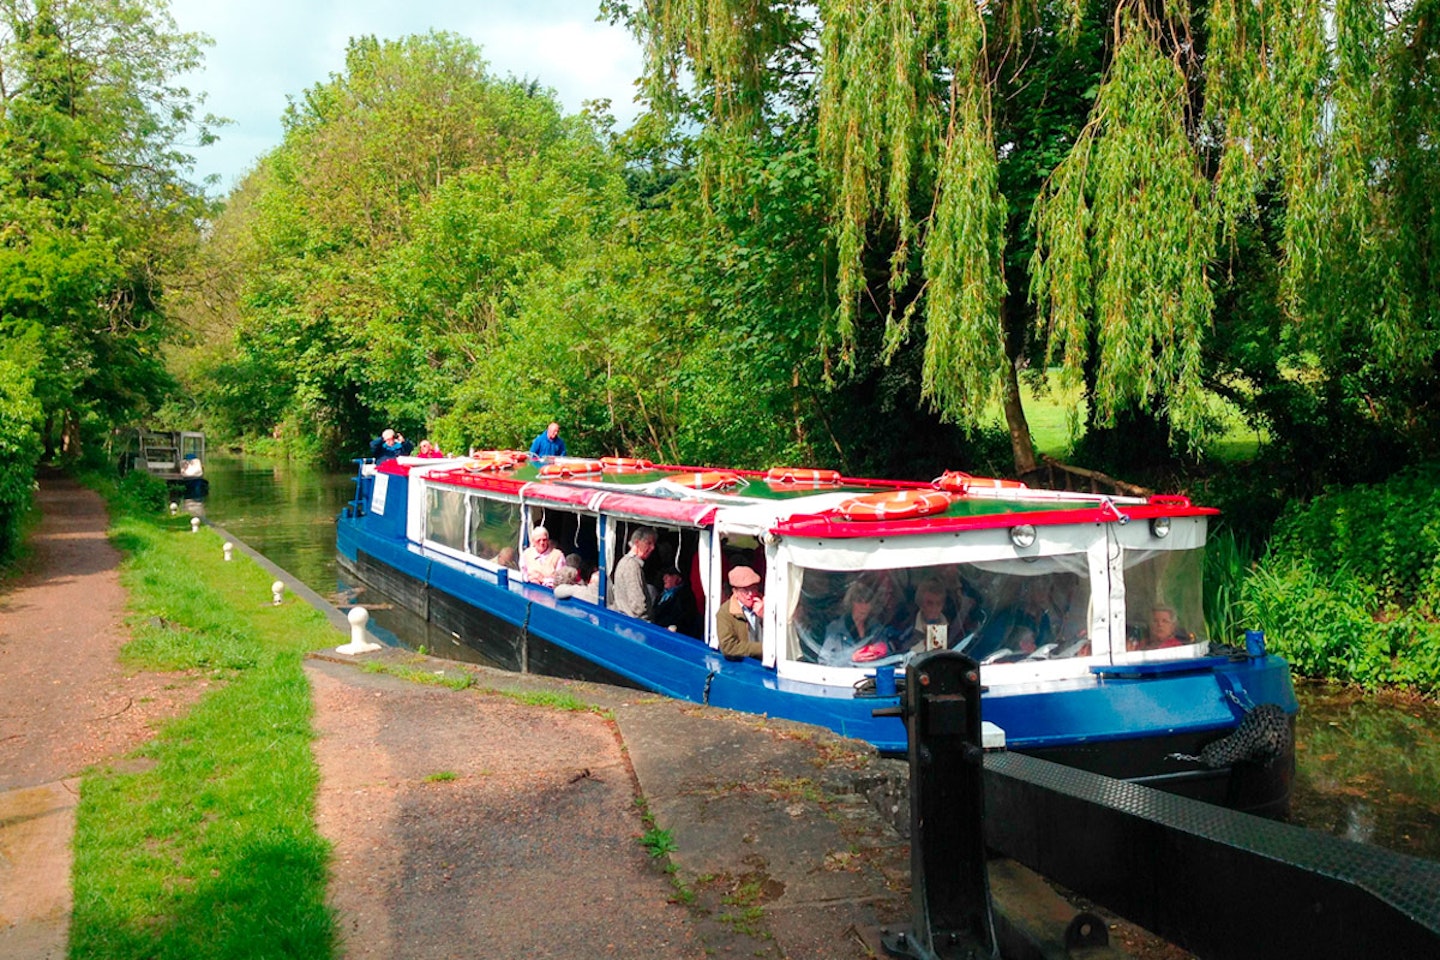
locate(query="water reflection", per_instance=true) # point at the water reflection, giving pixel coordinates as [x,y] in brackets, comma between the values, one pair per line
[1368,767]
[284,510]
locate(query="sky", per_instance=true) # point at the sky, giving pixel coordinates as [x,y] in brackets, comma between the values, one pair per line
[266,50]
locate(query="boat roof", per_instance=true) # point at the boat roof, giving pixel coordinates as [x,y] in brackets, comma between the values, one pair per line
[798,502]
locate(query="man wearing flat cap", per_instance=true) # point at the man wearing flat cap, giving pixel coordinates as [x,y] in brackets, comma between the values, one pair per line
[737,625]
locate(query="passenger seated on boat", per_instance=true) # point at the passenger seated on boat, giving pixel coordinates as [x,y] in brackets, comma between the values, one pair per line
[506,557]
[570,583]
[930,620]
[738,622]
[1164,631]
[1020,641]
[675,610]
[996,636]
[858,636]
[630,596]
[541,559]
[428,450]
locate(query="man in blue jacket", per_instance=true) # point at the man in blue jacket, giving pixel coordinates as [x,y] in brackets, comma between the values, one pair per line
[548,444]
[390,445]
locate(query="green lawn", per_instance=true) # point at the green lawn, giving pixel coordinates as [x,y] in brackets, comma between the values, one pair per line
[210,851]
[1053,415]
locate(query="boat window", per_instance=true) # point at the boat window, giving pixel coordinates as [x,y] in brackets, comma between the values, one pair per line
[678,548]
[495,531]
[1163,598]
[995,612]
[570,532]
[445,517]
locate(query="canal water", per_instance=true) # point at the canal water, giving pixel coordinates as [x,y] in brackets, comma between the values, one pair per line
[1368,766]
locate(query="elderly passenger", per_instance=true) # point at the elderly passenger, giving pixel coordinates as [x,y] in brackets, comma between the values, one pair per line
[630,595]
[541,559]
[738,624]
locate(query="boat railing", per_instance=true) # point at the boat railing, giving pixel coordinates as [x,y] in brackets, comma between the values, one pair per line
[1053,474]
[364,485]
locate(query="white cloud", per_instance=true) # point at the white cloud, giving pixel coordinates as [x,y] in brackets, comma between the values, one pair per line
[268,50]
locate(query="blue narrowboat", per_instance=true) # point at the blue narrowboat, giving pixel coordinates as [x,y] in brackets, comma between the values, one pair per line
[1084,611]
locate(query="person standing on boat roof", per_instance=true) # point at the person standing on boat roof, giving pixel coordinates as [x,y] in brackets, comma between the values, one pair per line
[630,596]
[737,625]
[390,445]
[541,559]
[548,444]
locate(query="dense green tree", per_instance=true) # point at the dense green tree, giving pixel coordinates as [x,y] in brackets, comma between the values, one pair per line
[381,241]
[95,207]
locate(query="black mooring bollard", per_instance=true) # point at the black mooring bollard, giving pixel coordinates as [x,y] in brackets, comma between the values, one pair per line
[950,890]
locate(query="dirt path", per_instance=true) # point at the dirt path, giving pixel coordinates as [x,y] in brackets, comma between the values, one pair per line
[65,703]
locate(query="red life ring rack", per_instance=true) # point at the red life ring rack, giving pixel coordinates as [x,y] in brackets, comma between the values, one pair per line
[956,481]
[895,505]
[801,475]
[625,464]
[569,469]
[707,480]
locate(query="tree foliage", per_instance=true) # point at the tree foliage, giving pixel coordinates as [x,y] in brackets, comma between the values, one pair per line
[95,208]
[1132,189]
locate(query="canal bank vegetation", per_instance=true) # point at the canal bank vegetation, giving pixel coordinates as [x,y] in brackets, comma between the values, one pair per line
[205,846]
[1349,588]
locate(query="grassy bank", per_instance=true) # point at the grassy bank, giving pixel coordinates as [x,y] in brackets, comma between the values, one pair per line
[210,850]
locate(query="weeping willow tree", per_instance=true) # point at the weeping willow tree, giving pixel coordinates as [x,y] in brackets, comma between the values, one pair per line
[1199,121]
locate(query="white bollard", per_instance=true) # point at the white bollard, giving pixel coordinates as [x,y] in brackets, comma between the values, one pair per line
[194,524]
[229,551]
[358,617]
[174,508]
[277,590]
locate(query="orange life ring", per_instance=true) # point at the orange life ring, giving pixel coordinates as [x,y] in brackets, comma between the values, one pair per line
[625,464]
[801,475]
[566,469]
[501,458]
[956,481]
[895,505]
[709,480]
[482,463]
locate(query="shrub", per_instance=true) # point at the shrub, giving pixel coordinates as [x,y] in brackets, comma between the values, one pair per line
[142,493]
[19,452]
[1386,534]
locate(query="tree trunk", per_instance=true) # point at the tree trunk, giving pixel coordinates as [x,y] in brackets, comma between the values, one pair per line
[1021,445]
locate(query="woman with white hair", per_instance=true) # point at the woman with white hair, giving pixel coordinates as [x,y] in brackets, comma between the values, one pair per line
[541,559]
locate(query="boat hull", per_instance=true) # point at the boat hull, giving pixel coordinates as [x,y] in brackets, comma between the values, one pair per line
[1139,729]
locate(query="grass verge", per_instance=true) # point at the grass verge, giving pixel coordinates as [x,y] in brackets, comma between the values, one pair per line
[211,853]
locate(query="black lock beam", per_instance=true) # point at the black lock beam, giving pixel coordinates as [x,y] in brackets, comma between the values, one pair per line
[950,891]
[1222,884]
